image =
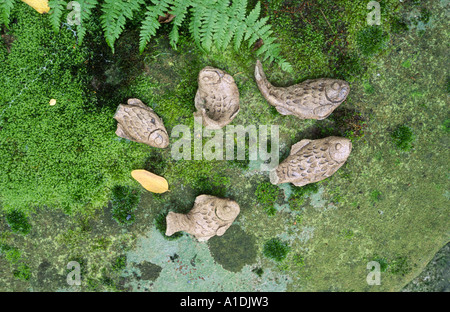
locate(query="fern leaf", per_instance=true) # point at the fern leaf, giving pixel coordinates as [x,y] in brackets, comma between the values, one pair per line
[229,33]
[180,10]
[114,17]
[86,7]
[239,36]
[150,24]
[208,29]
[220,34]
[174,36]
[5,10]
[254,14]
[239,7]
[196,23]
[57,8]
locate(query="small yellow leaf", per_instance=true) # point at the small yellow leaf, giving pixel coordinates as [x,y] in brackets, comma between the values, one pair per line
[39,5]
[52,102]
[151,182]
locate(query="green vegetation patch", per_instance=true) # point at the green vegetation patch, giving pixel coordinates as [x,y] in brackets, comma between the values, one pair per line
[149,271]
[299,194]
[18,222]
[267,194]
[371,40]
[69,148]
[234,249]
[124,201]
[276,249]
[161,226]
[403,137]
[12,254]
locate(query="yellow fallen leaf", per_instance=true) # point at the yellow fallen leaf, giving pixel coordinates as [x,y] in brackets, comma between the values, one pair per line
[39,5]
[151,182]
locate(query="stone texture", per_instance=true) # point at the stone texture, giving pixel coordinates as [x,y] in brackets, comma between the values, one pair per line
[209,217]
[217,98]
[138,122]
[312,160]
[311,99]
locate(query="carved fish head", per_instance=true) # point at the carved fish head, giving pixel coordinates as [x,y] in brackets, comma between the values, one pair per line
[336,91]
[210,76]
[226,210]
[159,138]
[339,148]
[138,122]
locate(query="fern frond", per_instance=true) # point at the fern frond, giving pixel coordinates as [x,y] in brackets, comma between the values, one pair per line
[230,30]
[86,7]
[57,8]
[239,36]
[239,7]
[150,24]
[5,10]
[114,17]
[196,23]
[209,27]
[222,24]
[254,14]
[179,10]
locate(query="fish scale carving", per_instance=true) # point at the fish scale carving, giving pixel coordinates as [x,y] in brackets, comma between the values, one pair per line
[138,122]
[312,161]
[311,99]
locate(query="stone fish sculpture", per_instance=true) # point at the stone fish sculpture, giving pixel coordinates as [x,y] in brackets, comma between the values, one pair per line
[312,160]
[138,122]
[311,99]
[210,216]
[217,98]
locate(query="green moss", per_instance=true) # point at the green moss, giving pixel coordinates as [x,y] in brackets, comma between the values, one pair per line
[398,25]
[368,88]
[403,137]
[161,226]
[348,234]
[258,271]
[446,125]
[240,249]
[399,266]
[267,194]
[383,263]
[124,201]
[82,158]
[119,263]
[406,64]
[425,15]
[276,249]
[149,271]
[298,260]
[375,196]
[23,272]
[371,40]
[299,194]
[345,123]
[18,222]
[12,254]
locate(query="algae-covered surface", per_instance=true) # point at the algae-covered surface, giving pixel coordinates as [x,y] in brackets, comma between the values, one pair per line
[388,203]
